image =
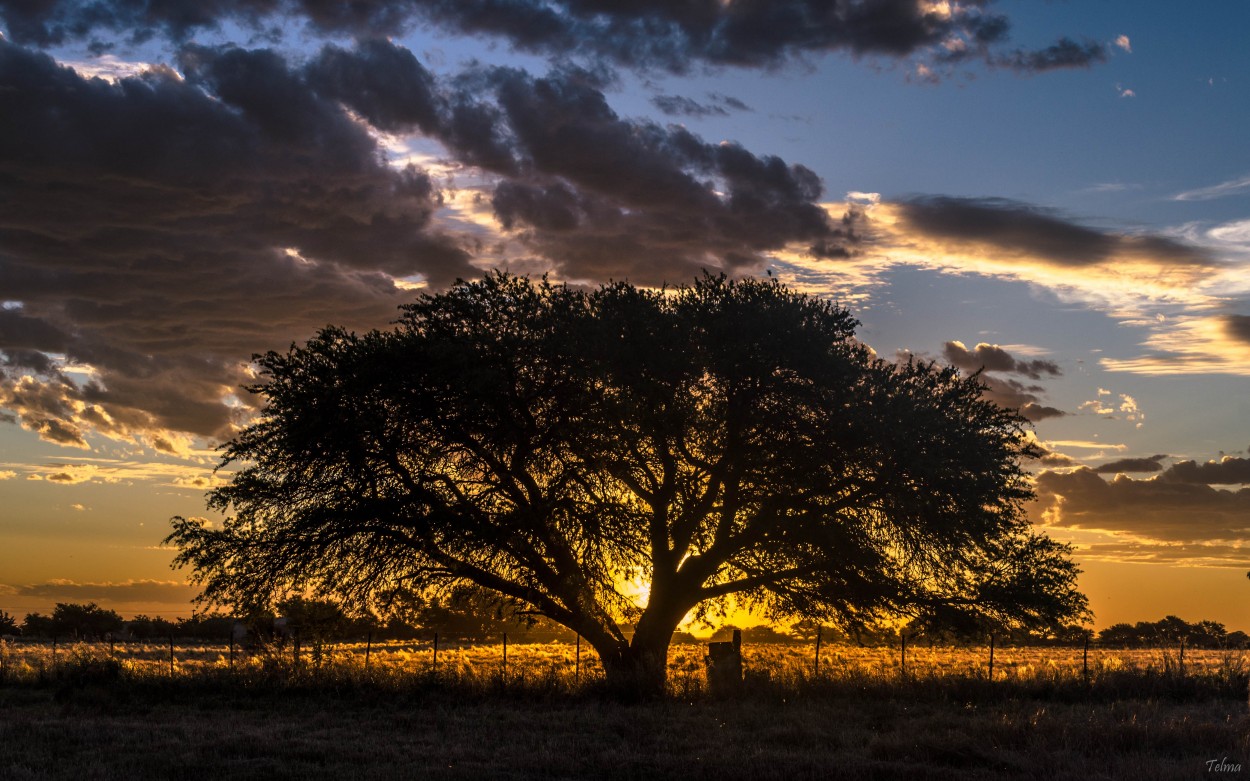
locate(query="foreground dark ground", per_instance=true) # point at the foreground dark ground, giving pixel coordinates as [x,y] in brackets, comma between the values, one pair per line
[127,729]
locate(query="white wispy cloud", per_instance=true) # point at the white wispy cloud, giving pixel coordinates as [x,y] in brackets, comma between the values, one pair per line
[1111,187]
[78,471]
[1084,444]
[1221,190]
[1237,233]
[112,68]
[856,196]
[1200,344]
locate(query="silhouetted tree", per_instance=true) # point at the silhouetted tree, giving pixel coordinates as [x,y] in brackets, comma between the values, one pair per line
[8,624]
[315,621]
[36,625]
[1171,631]
[469,612]
[206,627]
[725,439]
[72,620]
[805,630]
[144,627]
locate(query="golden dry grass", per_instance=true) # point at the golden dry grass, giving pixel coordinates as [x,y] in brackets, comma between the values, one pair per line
[778,662]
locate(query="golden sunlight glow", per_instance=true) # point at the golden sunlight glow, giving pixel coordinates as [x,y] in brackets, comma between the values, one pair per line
[75,471]
[112,69]
[1192,345]
[939,8]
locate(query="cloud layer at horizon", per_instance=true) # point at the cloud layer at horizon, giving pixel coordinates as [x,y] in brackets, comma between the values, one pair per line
[1190,511]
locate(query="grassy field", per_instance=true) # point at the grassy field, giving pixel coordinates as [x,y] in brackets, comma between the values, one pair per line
[1136,715]
[24,660]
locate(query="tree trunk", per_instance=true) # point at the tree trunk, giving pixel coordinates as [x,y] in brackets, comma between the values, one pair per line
[638,671]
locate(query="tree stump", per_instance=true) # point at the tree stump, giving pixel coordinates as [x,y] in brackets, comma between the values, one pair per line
[724,665]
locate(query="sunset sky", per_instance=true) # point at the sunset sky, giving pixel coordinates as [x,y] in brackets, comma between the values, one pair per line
[1056,191]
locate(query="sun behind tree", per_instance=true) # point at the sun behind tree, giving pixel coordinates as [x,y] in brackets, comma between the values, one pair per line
[720,440]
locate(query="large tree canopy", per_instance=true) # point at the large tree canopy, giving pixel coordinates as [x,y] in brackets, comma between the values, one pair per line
[724,440]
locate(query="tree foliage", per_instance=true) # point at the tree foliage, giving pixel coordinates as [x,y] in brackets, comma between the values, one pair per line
[567,448]
[317,622]
[73,620]
[1172,631]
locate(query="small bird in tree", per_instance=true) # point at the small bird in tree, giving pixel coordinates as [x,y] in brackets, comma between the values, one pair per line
[725,440]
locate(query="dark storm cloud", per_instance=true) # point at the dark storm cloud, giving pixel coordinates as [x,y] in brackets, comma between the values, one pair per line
[26,341]
[146,228]
[1033,412]
[1238,327]
[1229,470]
[993,358]
[634,194]
[1005,391]
[1044,456]
[599,195]
[1053,459]
[729,102]
[1150,464]
[18,330]
[1064,53]
[161,229]
[1019,227]
[648,34]
[681,106]
[1158,509]
[126,591]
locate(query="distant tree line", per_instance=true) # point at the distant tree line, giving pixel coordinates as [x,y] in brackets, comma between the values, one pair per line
[1166,632]
[1171,631]
[72,621]
[472,615]
[464,614]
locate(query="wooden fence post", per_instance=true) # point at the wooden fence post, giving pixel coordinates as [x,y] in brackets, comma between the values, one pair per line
[434,667]
[991,656]
[505,657]
[232,649]
[1182,658]
[1085,659]
[816,668]
[171,654]
[902,656]
[368,649]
